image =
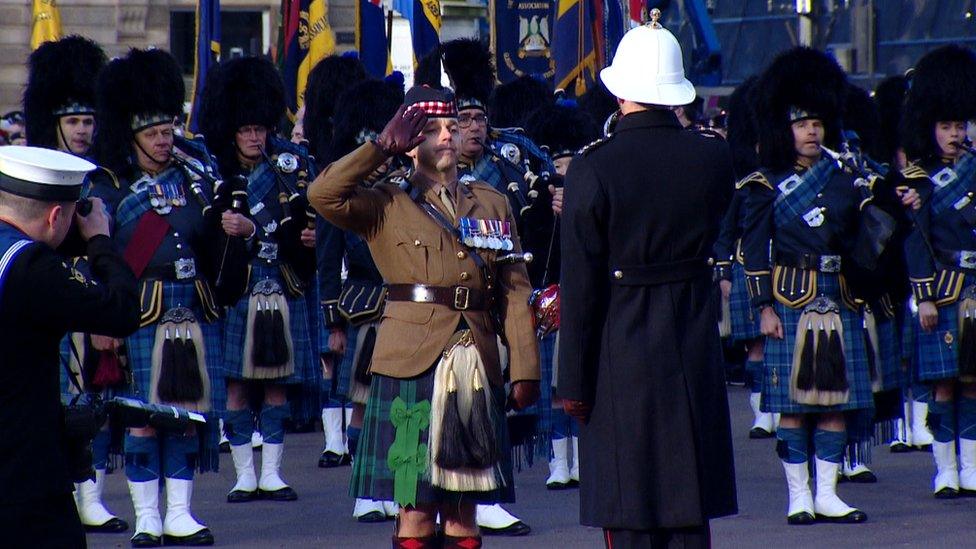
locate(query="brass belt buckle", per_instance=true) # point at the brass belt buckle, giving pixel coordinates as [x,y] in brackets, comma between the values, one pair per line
[462,295]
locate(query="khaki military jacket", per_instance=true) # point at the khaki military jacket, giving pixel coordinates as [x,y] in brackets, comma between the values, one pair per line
[411,248]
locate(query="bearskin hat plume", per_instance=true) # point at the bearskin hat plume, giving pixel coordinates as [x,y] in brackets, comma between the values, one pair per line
[239,92]
[328,80]
[890,99]
[800,78]
[943,88]
[143,84]
[61,81]
[861,116]
[366,109]
[743,133]
[469,68]
[512,103]
[562,128]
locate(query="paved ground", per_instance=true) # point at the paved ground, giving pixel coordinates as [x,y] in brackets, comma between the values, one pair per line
[902,512]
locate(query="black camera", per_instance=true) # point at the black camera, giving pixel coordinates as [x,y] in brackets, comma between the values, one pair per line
[83,418]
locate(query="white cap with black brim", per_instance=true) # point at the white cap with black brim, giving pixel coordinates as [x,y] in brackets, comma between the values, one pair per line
[42,174]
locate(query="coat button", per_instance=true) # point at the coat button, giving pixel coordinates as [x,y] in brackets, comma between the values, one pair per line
[819,195]
[416,243]
[176,235]
[465,276]
[179,246]
[462,255]
[711,261]
[618,274]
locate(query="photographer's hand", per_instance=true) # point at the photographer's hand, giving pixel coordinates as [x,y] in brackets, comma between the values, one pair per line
[95,223]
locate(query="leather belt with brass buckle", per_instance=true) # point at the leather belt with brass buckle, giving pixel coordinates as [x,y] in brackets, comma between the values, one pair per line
[458,298]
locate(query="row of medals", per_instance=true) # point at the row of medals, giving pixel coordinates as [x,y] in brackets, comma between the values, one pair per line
[490,234]
[163,197]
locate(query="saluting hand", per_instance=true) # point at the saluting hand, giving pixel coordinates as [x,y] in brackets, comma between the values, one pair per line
[928,315]
[769,323]
[235,224]
[96,222]
[403,132]
[308,238]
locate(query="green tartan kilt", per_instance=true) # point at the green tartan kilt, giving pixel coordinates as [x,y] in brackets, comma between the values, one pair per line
[373,479]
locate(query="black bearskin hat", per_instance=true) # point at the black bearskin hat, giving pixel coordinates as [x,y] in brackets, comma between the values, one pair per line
[61,83]
[329,78]
[600,103]
[366,109]
[800,83]
[861,116]
[563,128]
[469,67]
[239,92]
[512,103]
[943,88]
[137,91]
[742,131]
[889,96]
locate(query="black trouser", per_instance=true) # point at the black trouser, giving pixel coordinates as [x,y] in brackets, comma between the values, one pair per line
[49,522]
[661,538]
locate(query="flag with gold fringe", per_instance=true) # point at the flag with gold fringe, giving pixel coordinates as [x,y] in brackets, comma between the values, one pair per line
[45,22]
[585,35]
[207,52]
[306,37]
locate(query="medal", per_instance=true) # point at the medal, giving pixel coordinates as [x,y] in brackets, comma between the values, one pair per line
[287,162]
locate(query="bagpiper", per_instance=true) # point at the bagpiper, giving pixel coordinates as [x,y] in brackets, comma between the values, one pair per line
[165,228]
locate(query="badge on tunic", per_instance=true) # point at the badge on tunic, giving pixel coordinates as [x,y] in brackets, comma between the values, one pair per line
[814,217]
[271,227]
[287,162]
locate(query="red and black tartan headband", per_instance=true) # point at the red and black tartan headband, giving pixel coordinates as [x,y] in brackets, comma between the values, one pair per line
[434,103]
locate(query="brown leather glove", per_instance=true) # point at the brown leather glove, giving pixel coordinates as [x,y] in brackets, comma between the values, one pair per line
[577,409]
[523,394]
[402,132]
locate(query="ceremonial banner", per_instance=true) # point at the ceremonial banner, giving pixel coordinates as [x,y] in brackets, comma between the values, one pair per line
[307,37]
[586,34]
[207,52]
[425,24]
[45,22]
[521,38]
[371,37]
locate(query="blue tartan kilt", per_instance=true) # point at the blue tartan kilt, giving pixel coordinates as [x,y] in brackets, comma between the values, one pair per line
[347,365]
[372,477]
[936,351]
[745,318]
[779,358]
[543,407]
[235,325]
[895,372]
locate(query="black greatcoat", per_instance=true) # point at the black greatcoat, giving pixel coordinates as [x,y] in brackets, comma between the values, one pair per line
[638,336]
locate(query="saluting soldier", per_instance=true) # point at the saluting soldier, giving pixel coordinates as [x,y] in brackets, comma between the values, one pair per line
[640,357]
[434,437]
[941,253]
[267,335]
[60,104]
[166,235]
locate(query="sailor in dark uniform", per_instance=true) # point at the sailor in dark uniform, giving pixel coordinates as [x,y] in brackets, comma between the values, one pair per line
[807,210]
[38,188]
[268,332]
[941,252]
[166,227]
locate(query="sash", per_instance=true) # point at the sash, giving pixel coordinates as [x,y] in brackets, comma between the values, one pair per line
[797,192]
[137,203]
[149,234]
[259,183]
[952,184]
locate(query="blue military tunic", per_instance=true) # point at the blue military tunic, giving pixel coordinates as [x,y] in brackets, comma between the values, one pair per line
[729,261]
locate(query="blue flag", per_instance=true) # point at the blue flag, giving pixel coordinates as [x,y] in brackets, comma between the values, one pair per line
[207,52]
[425,24]
[586,32]
[371,37]
[522,39]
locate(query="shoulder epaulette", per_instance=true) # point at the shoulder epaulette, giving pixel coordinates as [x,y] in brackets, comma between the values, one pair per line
[755,177]
[594,145]
[914,171]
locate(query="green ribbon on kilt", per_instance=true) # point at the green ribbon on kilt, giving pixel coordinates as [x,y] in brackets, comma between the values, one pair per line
[408,457]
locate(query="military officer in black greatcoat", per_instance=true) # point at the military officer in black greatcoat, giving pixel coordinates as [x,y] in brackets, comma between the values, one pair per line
[640,359]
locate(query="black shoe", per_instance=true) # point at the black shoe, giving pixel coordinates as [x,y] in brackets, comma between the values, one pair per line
[332,459]
[372,517]
[854,517]
[518,528]
[901,448]
[242,496]
[203,537]
[800,519]
[573,483]
[759,432]
[283,494]
[112,526]
[557,485]
[947,493]
[224,447]
[924,448]
[965,493]
[143,539]
[864,477]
